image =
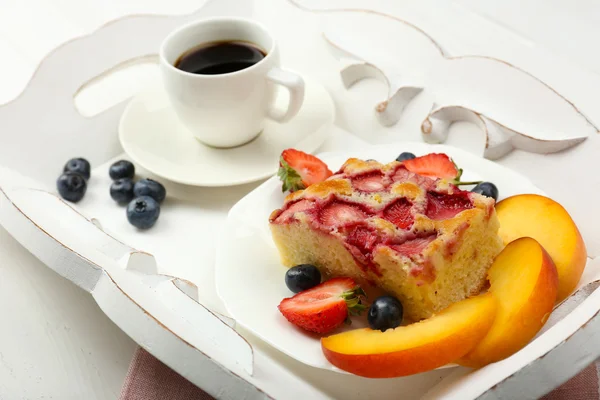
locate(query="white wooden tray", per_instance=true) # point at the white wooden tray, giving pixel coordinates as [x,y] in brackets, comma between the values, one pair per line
[165,299]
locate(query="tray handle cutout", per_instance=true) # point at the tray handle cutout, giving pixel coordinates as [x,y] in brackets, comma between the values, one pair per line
[115,85]
[45,112]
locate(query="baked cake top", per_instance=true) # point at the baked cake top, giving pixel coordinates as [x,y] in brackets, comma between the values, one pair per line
[370,205]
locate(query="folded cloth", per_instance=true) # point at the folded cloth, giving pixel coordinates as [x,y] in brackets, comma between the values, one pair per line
[150,379]
[580,387]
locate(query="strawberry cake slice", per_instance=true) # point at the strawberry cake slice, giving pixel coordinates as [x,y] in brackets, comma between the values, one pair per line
[416,237]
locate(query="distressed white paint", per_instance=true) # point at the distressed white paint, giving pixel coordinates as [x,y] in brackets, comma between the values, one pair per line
[518,110]
[281,372]
[57,342]
[500,140]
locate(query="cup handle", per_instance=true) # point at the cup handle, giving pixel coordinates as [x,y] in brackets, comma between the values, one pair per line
[295,85]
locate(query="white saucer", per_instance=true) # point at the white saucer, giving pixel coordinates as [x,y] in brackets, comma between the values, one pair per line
[249,274]
[153,137]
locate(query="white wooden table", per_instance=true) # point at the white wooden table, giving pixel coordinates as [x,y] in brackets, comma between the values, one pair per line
[54,341]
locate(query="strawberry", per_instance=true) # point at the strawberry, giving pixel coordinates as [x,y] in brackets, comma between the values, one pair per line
[302,205]
[364,238]
[399,213]
[403,175]
[443,206]
[298,170]
[437,165]
[324,307]
[414,246]
[434,165]
[339,213]
[371,182]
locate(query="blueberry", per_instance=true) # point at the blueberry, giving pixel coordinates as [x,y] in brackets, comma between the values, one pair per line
[142,212]
[385,313]
[302,277]
[71,186]
[149,187]
[405,156]
[80,166]
[121,190]
[487,189]
[121,169]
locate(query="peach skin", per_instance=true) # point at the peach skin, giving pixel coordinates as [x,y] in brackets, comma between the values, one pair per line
[524,281]
[414,348]
[549,223]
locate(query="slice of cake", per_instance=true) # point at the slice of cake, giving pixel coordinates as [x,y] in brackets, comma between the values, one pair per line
[418,238]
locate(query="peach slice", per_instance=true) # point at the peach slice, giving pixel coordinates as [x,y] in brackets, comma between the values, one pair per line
[549,223]
[414,348]
[524,281]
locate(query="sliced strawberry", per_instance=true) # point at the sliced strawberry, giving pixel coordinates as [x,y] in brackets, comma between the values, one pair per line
[403,175]
[324,307]
[414,246]
[339,213]
[444,206]
[361,241]
[370,182]
[399,213]
[293,208]
[434,165]
[298,170]
[363,238]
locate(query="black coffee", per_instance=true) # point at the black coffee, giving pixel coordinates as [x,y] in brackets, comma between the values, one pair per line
[219,58]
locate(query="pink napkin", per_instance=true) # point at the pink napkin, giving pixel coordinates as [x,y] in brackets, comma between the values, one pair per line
[150,379]
[581,387]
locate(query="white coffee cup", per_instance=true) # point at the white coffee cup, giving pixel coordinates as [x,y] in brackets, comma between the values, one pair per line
[230,109]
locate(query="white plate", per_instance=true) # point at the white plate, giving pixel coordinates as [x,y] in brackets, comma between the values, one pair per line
[153,137]
[250,277]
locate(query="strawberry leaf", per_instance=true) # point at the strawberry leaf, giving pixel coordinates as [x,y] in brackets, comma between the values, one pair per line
[459,183]
[456,181]
[353,300]
[460,171]
[290,178]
